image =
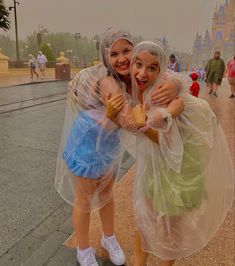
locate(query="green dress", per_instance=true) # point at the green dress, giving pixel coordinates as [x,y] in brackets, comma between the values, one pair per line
[175,192]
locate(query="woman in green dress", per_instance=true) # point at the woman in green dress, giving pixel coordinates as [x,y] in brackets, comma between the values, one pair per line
[184,176]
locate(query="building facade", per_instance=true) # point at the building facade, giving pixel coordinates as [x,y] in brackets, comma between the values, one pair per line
[221,38]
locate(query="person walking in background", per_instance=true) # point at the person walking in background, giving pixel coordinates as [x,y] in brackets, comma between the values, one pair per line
[215,70]
[201,74]
[195,87]
[173,64]
[41,61]
[231,75]
[32,66]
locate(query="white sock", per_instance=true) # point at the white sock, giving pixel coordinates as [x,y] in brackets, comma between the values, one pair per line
[105,237]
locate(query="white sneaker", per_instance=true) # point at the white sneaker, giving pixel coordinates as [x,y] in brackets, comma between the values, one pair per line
[86,257]
[116,253]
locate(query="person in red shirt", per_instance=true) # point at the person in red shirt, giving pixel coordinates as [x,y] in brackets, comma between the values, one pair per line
[231,75]
[195,87]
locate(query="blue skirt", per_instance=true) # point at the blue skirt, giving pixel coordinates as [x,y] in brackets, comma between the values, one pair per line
[91,151]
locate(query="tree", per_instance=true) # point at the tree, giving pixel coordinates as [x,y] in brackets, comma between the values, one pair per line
[4,17]
[8,46]
[46,50]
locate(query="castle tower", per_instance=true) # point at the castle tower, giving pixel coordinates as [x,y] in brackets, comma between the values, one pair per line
[207,42]
[231,9]
[219,29]
[197,50]
[222,34]
[206,47]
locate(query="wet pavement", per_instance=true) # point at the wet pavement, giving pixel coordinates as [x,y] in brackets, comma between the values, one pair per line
[22,76]
[25,96]
[35,221]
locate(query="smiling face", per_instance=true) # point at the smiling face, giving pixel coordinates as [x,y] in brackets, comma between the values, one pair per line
[119,57]
[145,70]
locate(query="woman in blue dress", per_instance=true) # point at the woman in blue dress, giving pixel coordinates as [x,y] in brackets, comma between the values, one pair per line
[90,152]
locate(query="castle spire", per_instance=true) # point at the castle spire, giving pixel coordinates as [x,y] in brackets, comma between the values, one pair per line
[207,42]
[198,41]
[231,9]
[215,11]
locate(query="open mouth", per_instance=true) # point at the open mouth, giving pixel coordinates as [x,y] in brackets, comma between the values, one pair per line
[141,82]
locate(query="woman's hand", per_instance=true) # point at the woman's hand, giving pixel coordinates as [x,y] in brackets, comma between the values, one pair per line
[114,105]
[139,113]
[165,92]
[176,106]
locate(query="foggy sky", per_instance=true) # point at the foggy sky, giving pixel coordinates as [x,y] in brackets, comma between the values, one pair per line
[178,20]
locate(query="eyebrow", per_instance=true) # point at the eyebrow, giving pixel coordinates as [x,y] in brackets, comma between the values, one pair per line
[154,64]
[137,58]
[123,50]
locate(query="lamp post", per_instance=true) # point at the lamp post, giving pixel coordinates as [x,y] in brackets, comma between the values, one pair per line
[26,51]
[41,30]
[16,29]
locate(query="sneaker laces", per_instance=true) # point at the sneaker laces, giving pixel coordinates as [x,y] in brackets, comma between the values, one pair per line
[115,247]
[89,257]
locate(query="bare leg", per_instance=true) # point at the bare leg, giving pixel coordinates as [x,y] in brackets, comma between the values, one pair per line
[233,89]
[107,211]
[215,87]
[85,189]
[210,86]
[34,71]
[107,218]
[172,229]
[31,73]
[81,222]
[140,256]
[41,73]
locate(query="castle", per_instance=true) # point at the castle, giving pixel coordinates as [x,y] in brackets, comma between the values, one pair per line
[221,38]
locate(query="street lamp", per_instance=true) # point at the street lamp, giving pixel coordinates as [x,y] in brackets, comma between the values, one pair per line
[16,29]
[41,30]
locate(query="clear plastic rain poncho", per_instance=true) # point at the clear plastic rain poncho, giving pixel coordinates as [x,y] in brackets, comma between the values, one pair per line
[184,185]
[90,153]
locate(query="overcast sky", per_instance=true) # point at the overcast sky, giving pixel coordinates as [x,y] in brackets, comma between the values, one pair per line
[178,20]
